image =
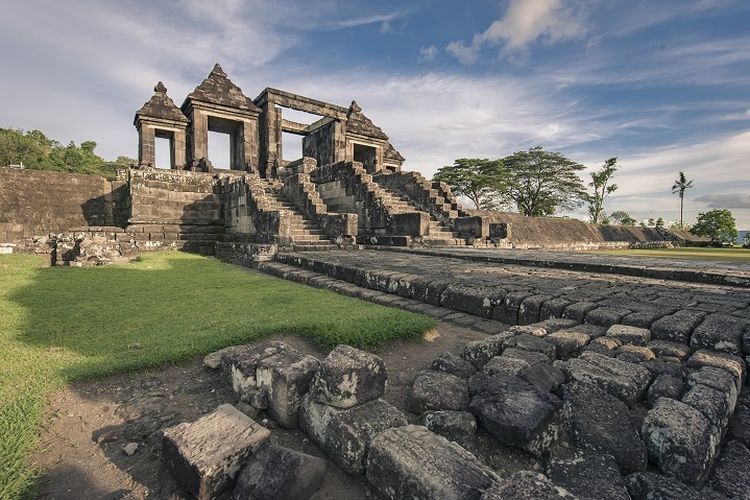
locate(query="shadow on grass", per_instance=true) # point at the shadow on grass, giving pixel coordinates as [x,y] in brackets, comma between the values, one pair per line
[171,306]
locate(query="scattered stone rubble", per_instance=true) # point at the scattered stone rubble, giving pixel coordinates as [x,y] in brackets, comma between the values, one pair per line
[664,422]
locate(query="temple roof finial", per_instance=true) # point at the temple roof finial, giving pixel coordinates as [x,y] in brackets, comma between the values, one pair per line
[218,71]
[354,107]
[160,88]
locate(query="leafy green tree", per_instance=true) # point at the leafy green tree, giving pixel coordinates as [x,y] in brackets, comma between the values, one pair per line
[483,181]
[716,224]
[602,188]
[679,187]
[36,151]
[659,223]
[622,218]
[651,222]
[541,182]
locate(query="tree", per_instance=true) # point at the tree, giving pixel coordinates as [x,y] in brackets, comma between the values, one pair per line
[679,187]
[600,182]
[716,224]
[542,182]
[651,222]
[622,218]
[659,223]
[483,181]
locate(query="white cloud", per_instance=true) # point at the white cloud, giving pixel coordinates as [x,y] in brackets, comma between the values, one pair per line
[726,200]
[427,54]
[524,22]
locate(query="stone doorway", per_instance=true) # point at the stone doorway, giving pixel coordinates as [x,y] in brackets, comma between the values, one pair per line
[367,155]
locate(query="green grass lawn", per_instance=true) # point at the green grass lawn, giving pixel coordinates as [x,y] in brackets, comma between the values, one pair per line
[63,324]
[723,254]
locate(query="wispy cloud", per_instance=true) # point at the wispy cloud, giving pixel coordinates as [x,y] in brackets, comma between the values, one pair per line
[524,22]
[427,54]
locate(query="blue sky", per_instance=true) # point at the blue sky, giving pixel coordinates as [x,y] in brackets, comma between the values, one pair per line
[663,85]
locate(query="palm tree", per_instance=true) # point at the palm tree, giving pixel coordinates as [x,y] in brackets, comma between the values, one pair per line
[679,187]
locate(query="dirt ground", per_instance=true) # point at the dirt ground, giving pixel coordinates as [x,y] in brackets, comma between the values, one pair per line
[82,452]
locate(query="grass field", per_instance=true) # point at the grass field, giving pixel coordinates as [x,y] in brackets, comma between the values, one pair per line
[722,254]
[63,324]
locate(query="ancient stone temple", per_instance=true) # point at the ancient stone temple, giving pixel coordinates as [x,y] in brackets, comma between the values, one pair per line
[255,128]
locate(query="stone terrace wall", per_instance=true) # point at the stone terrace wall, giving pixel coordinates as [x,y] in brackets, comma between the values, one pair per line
[36,202]
[539,232]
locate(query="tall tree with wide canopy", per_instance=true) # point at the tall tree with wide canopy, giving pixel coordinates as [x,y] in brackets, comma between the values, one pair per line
[679,187]
[483,181]
[543,182]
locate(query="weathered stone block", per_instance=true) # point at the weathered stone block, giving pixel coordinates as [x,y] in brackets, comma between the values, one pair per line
[280,473]
[739,424]
[627,381]
[412,462]
[587,474]
[606,316]
[630,334]
[600,422]
[718,379]
[433,390]
[652,486]
[286,377]
[676,327]
[526,342]
[515,412]
[455,365]
[478,352]
[349,376]
[567,343]
[544,377]
[660,366]
[668,348]
[241,362]
[345,435]
[664,386]
[731,476]
[733,364]
[710,402]
[635,353]
[205,456]
[680,441]
[535,330]
[719,333]
[458,426]
[527,485]
[512,361]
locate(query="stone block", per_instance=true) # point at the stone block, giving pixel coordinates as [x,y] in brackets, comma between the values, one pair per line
[652,486]
[670,349]
[733,364]
[479,352]
[664,386]
[660,366]
[600,422]
[349,376]
[731,475]
[505,364]
[344,435]
[577,311]
[676,327]
[205,456]
[286,377]
[627,381]
[739,424]
[412,462]
[515,412]
[535,330]
[241,362]
[606,316]
[710,402]
[567,343]
[718,379]
[718,332]
[544,377]
[630,334]
[280,473]
[458,426]
[433,390]
[587,474]
[526,342]
[455,365]
[527,485]
[552,325]
[680,441]
[635,353]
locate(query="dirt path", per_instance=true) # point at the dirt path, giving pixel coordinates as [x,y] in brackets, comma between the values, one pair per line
[82,450]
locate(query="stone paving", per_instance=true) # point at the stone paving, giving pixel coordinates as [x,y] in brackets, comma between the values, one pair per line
[698,315]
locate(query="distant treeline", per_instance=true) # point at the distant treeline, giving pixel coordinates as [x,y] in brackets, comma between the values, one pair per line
[36,151]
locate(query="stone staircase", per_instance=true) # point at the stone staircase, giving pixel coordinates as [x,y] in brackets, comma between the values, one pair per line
[305,233]
[440,232]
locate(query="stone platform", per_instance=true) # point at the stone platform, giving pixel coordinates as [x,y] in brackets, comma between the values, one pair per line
[699,315]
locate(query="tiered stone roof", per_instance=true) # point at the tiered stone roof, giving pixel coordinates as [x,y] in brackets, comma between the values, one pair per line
[161,106]
[217,88]
[358,123]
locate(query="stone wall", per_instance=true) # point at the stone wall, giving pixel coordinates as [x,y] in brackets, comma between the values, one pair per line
[571,234]
[35,202]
